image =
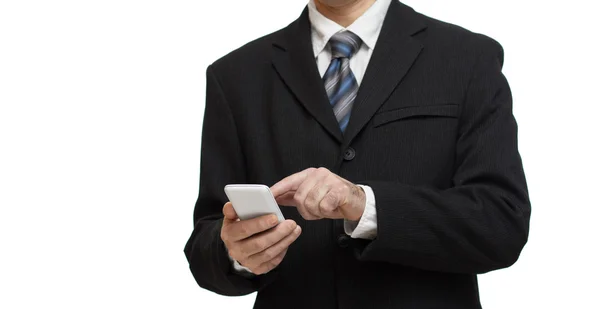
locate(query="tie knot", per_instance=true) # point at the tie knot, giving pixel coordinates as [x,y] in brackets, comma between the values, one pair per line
[344,44]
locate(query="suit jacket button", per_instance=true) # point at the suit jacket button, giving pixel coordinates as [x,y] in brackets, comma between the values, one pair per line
[343,241]
[349,154]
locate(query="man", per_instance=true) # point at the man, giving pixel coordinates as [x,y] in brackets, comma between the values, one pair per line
[391,136]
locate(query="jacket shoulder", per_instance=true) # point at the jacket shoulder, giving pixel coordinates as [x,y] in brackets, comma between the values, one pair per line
[253,53]
[452,37]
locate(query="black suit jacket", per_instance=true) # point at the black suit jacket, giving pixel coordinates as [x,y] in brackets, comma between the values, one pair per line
[432,133]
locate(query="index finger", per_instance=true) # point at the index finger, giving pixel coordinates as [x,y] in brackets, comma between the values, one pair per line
[290,183]
[243,229]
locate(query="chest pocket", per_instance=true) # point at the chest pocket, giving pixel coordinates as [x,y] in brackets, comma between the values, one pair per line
[445,110]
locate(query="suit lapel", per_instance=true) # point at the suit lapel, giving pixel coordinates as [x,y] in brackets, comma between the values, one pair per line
[392,58]
[294,60]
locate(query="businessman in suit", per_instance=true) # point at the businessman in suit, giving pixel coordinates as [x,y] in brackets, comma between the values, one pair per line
[388,139]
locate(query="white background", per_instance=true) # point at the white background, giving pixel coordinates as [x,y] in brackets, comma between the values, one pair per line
[100,123]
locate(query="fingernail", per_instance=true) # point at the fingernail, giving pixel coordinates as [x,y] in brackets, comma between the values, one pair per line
[298,230]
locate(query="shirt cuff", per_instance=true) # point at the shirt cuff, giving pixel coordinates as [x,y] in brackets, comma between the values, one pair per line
[239,269]
[366,227]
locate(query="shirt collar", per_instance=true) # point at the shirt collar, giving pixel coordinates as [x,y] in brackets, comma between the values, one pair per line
[366,27]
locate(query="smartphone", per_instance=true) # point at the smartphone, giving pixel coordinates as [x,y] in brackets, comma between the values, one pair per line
[251,201]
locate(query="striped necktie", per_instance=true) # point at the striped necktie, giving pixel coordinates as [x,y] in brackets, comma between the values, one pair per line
[340,84]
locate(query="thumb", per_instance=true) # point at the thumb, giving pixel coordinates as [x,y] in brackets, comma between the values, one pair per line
[229,212]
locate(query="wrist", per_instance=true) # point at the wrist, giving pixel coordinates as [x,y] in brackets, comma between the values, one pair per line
[360,204]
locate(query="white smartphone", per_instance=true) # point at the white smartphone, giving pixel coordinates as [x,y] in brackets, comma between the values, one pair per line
[251,201]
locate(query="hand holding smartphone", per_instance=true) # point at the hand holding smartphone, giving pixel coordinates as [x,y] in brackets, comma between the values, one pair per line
[256,241]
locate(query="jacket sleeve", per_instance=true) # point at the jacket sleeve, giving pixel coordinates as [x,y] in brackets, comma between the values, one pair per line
[479,224]
[222,163]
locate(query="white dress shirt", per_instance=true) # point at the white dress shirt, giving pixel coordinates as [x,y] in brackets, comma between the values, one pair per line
[367,27]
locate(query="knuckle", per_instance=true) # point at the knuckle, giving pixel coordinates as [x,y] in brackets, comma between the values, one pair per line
[272,264]
[264,270]
[259,245]
[290,227]
[333,178]
[269,254]
[323,170]
[247,249]
[303,213]
[259,270]
[327,211]
[310,217]
[331,198]
[264,224]
[311,198]
[252,266]
[324,208]
[278,259]
[298,198]
[311,210]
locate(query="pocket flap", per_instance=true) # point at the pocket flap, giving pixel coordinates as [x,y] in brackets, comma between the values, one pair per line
[446,110]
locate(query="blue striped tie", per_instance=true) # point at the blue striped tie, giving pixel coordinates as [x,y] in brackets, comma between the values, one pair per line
[340,84]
